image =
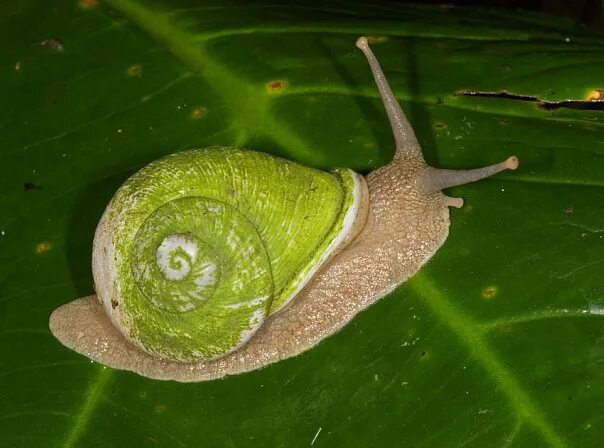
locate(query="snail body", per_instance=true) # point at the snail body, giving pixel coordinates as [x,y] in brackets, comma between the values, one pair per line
[218,261]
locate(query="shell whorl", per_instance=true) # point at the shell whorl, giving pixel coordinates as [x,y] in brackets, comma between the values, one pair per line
[197,249]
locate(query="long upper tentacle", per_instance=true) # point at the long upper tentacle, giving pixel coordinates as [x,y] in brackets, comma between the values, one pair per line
[405,139]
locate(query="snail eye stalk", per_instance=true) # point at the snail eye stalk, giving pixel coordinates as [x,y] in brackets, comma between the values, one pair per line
[404,136]
[434,179]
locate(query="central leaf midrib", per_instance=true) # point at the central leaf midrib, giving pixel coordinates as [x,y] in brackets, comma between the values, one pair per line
[245,102]
[470,334]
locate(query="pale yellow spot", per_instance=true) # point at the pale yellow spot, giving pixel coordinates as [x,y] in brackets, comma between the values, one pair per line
[596,95]
[376,39]
[43,247]
[160,408]
[88,4]
[135,70]
[198,113]
[276,86]
[489,293]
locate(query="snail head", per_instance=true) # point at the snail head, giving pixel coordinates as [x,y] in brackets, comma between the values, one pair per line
[408,153]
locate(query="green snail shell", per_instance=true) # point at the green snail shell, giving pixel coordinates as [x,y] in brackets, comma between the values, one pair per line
[198,248]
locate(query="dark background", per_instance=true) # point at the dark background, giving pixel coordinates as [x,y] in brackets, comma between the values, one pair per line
[586,12]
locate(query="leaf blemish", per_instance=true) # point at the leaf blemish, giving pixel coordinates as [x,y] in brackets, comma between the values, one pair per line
[590,104]
[596,95]
[135,70]
[29,186]
[88,4]
[53,44]
[489,293]
[43,247]
[198,113]
[276,86]
[376,39]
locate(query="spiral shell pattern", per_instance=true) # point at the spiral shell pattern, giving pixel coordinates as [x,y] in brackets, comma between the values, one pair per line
[197,249]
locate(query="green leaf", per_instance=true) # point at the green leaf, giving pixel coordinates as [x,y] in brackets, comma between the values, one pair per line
[498,342]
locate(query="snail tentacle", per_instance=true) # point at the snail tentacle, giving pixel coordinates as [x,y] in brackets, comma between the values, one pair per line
[404,136]
[434,179]
[431,179]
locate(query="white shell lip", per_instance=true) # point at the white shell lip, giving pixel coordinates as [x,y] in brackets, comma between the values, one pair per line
[353,223]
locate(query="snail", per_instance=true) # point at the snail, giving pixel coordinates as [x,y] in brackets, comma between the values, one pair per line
[217,261]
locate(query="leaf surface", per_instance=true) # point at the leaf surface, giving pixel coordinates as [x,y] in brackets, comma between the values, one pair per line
[498,341]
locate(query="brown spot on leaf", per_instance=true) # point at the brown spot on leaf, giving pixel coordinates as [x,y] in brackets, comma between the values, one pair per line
[29,186]
[568,209]
[53,44]
[276,86]
[135,70]
[439,125]
[503,120]
[198,112]
[489,293]
[88,4]
[596,95]
[43,247]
